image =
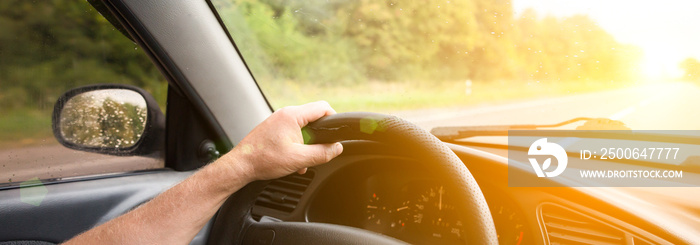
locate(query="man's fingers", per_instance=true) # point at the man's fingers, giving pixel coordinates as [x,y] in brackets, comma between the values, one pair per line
[320,153]
[312,111]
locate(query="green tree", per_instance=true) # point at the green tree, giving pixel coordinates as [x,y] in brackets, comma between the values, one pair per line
[102,123]
[284,41]
[325,42]
[408,39]
[570,49]
[48,47]
[691,66]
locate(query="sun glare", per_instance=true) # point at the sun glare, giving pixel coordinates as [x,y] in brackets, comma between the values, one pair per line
[666,31]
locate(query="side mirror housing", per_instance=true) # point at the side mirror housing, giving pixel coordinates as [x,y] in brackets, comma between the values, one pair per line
[111,119]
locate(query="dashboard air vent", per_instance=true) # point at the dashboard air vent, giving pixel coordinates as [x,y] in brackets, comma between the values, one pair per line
[566,226]
[639,241]
[281,196]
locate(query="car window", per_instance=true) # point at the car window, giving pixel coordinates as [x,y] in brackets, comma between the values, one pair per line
[477,62]
[46,49]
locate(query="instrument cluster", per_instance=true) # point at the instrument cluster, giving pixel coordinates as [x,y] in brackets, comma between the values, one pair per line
[419,212]
[405,204]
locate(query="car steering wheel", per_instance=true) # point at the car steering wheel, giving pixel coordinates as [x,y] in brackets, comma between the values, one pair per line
[234,224]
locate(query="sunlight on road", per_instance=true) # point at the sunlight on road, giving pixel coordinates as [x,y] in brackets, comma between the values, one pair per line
[653,106]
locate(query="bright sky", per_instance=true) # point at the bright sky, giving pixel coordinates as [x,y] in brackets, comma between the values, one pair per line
[668,31]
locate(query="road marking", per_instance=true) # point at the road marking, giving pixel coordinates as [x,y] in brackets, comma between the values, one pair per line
[623,113]
[455,113]
[538,103]
[619,115]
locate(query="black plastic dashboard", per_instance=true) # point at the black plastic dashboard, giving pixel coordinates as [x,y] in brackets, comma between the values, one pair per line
[373,187]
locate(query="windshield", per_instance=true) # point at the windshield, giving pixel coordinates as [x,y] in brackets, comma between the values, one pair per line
[478,62]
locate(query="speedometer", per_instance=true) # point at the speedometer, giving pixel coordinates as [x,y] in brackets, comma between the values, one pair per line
[433,214]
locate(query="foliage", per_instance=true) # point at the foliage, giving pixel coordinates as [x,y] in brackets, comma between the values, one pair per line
[49,47]
[102,123]
[691,67]
[575,48]
[324,42]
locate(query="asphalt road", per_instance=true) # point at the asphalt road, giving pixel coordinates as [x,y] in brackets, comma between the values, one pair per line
[664,106]
[52,160]
[672,105]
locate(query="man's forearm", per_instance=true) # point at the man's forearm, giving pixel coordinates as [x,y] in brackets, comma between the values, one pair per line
[273,149]
[177,215]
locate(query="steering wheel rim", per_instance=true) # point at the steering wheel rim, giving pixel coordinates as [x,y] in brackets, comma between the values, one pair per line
[362,126]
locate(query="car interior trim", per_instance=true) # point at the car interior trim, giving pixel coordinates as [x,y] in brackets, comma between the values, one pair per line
[173,73]
[192,38]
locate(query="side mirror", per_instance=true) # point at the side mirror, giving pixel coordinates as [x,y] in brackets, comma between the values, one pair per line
[111,119]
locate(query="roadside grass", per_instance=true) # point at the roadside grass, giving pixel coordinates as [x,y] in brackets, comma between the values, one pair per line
[386,97]
[22,127]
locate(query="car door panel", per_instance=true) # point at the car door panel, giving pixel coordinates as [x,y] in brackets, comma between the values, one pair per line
[70,208]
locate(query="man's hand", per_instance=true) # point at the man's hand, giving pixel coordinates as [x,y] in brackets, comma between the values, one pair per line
[276,148]
[273,149]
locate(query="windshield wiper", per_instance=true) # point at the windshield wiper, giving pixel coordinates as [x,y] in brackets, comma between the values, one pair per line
[461,132]
[603,129]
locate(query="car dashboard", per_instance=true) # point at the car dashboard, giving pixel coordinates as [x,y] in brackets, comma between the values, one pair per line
[395,198]
[374,187]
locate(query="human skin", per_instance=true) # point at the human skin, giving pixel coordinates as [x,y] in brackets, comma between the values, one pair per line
[273,149]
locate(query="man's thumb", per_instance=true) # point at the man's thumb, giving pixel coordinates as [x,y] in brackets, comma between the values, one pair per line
[322,153]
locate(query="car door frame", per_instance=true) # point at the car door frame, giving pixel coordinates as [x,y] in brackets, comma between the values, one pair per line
[216,98]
